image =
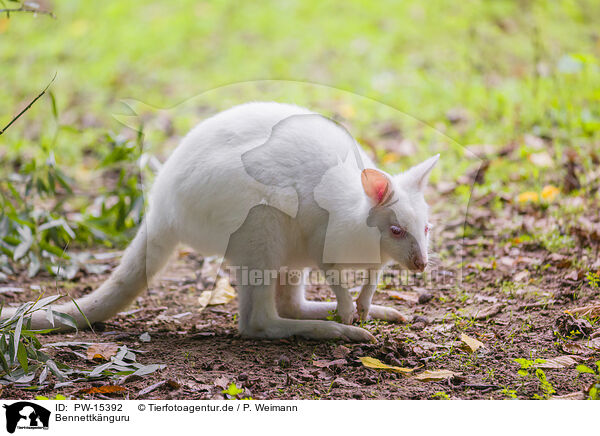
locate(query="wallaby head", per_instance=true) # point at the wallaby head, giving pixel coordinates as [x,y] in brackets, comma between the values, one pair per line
[400,213]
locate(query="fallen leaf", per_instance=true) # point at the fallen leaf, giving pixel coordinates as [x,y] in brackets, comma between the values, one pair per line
[222,293]
[542,159]
[592,311]
[373,363]
[145,337]
[110,389]
[171,384]
[10,289]
[528,196]
[575,348]
[328,363]
[341,382]
[560,362]
[221,382]
[340,352]
[573,275]
[407,297]
[471,344]
[572,396]
[550,192]
[4,23]
[521,276]
[507,261]
[436,375]
[489,311]
[594,343]
[101,351]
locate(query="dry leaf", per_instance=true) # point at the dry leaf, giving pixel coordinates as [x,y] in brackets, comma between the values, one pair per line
[102,351]
[489,311]
[572,396]
[110,389]
[592,311]
[541,159]
[560,362]
[340,352]
[521,276]
[550,192]
[341,382]
[471,344]
[575,348]
[407,297]
[436,375]
[4,23]
[221,382]
[221,294]
[373,363]
[594,343]
[573,275]
[328,363]
[528,196]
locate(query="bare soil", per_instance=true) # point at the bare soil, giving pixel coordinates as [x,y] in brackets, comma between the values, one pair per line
[512,298]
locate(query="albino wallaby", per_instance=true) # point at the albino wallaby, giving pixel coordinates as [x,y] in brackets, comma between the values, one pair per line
[272,186]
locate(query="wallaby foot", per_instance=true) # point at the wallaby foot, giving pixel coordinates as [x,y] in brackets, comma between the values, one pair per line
[309,329]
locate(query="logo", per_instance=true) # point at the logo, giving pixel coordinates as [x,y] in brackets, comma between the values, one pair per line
[26,415]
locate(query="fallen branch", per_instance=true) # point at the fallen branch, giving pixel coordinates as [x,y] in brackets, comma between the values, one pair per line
[28,106]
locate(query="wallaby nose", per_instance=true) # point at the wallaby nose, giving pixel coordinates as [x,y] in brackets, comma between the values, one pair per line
[418,263]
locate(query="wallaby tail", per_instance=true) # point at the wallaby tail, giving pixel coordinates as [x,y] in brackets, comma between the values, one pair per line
[144,257]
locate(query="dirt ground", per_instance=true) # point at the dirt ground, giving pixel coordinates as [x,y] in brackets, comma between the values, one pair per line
[512,298]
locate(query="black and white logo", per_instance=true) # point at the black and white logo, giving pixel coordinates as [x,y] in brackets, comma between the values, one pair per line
[26,415]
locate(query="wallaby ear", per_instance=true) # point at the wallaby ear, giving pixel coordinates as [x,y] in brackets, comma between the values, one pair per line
[418,175]
[376,185]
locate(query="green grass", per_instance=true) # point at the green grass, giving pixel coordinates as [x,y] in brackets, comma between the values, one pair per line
[512,66]
[475,74]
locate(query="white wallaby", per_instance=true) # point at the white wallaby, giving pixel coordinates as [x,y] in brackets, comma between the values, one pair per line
[273,187]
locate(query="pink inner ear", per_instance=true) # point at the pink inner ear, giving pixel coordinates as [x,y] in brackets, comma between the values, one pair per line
[376,185]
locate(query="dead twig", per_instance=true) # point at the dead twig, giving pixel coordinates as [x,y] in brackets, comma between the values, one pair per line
[29,9]
[28,106]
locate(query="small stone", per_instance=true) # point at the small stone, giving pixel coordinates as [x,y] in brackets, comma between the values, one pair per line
[417,326]
[367,381]
[396,362]
[421,319]
[425,297]
[284,361]
[569,326]
[389,357]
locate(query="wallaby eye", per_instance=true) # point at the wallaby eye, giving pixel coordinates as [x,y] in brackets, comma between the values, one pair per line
[398,232]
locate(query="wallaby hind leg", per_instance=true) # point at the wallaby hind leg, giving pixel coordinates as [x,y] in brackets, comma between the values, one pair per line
[265,322]
[259,245]
[292,303]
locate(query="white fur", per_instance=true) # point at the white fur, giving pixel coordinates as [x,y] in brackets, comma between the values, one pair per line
[205,197]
